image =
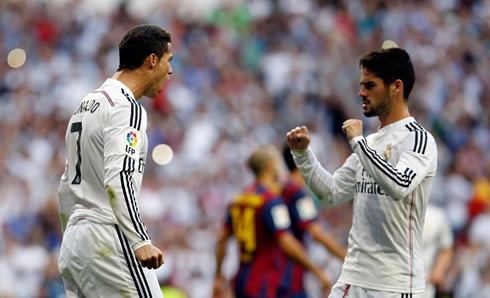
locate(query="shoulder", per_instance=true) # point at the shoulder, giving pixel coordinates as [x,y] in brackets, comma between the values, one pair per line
[290,191]
[125,109]
[418,139]
[269,196]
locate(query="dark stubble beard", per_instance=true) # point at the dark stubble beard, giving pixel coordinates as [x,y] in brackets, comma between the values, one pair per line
[382,107]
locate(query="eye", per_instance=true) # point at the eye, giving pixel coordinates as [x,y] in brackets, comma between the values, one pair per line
[369,85]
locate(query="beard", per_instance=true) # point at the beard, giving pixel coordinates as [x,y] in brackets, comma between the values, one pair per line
[383,106]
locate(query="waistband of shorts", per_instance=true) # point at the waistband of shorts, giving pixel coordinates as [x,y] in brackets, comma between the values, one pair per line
[81,221]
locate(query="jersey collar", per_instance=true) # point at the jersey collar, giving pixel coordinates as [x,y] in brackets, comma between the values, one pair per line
[397,124]
[118,83]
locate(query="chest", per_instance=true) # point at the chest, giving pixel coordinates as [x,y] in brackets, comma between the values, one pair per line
[382,148]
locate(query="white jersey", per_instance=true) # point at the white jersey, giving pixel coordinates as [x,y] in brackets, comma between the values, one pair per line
[389,176]
[106,146]
[437,235]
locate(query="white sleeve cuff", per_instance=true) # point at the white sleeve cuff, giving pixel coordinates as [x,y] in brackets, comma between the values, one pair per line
[354,141]
[141,244]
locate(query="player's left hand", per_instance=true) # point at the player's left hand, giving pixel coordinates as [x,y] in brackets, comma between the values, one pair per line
[352,128]
[149,256]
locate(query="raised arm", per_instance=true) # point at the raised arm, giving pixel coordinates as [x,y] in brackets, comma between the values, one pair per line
[418,160]
[336,189]
[401,179]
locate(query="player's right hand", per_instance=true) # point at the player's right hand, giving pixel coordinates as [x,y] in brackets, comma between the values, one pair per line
[326,286]
[149,256]
[298,138]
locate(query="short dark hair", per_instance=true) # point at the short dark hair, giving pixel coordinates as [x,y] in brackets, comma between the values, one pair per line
[390,65]
[140,42]
[257,162]
[288,158]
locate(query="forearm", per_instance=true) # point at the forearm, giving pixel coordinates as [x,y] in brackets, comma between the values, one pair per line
[295,251]
[221,252]
[397,181]
[326,240]
[120,191]
[442,263]
[323,184]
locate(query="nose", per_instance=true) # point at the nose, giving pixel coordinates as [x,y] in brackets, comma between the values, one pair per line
[170,71]
[362,92]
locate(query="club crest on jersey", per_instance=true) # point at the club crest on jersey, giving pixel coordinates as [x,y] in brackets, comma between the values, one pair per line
[387,154]
[132,141]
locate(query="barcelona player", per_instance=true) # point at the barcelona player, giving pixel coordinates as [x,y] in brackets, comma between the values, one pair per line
[260,222]
[303,214]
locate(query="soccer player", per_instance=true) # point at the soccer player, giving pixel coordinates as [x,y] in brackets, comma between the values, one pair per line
[260,223]
[389,177]
[438,243]
[304,216]
[105,243]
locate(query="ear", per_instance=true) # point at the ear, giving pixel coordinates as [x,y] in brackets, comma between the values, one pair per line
[152,61]
[397,87]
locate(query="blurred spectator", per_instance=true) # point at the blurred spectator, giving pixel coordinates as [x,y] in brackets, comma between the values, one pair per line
[437,239]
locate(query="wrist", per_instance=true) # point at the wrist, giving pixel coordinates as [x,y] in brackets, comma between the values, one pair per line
[354,140]
[300,152]
[140,244]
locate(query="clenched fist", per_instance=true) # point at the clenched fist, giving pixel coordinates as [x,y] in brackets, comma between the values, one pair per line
[298,138]
[149,256]
[352,128]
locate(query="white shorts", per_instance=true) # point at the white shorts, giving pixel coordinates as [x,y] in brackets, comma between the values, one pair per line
[341,290]
[97,261]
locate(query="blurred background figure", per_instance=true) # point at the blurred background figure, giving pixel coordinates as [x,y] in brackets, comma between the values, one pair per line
[259,221]
[245,72]
[437,240]
[304,222]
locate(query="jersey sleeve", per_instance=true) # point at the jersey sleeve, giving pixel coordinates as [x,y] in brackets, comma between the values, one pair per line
[123,142]
[417,161]
[276,217]
[302,209]
[335,189]
[65,201]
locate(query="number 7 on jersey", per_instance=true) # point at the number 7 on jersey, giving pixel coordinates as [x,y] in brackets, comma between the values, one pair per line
[77,127]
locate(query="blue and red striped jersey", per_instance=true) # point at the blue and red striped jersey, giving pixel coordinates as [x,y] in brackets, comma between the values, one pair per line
[302,212]
[256,218]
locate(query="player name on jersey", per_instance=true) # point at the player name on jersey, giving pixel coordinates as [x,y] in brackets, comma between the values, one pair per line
[87,105]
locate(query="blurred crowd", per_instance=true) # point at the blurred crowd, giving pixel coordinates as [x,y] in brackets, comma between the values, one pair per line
[245,72]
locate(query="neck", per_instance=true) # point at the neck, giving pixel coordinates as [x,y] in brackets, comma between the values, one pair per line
[398,111]
[296,177]
[267,181]
[133,79]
